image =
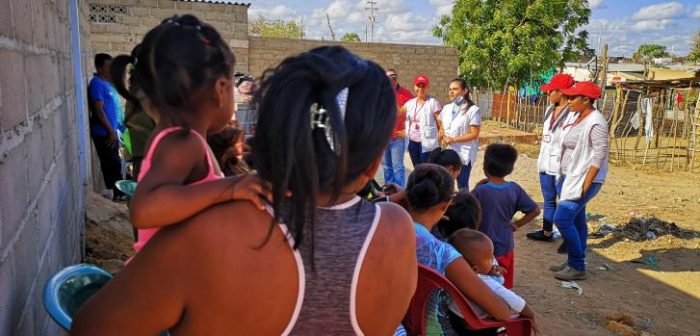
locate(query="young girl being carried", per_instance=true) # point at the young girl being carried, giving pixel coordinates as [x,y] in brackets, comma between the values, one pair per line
[185,70]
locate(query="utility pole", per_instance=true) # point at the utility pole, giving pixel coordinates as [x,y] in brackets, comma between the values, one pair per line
[328,19]
[372,18]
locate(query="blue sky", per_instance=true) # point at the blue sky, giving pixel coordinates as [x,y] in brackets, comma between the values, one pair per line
[623,24]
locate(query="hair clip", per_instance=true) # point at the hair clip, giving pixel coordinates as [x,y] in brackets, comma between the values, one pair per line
[321,120]
[136,60]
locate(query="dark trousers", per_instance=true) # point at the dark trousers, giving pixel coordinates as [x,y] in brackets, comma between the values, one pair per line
[110,162]
[548,184]
[463,178]
[414,151]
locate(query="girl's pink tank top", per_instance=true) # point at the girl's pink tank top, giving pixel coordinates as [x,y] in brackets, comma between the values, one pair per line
[144,235]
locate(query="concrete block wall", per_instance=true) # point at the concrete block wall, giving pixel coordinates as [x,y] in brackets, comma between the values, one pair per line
[438,62]
[231,20]
[42,195]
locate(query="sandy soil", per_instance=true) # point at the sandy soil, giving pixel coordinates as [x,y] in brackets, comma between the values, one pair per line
[646,287]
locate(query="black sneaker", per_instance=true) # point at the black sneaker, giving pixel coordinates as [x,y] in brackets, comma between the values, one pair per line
[539,235]
[562,248]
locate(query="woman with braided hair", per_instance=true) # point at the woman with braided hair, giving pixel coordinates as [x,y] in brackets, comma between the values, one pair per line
[318,262]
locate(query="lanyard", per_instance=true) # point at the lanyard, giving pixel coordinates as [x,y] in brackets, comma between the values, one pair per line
[553,120]
[578,120]
[416,109]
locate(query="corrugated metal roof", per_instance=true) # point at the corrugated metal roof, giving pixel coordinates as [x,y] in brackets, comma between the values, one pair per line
[223,2]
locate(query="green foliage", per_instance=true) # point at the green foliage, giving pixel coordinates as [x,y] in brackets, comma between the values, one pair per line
[511,41]
[263,26]
[648,51]
[694,54]
[351,37]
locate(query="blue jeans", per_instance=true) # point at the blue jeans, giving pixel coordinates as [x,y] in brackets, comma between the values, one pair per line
[548,184]
[463,178]
[425,157]
[414,151]
[570,218]
[393,162]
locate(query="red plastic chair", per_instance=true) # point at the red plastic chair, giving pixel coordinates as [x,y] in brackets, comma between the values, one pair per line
[428,282]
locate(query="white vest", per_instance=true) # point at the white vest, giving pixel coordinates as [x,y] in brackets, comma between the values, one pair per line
[581,158]
[426,122]
[460,126]
[550,147]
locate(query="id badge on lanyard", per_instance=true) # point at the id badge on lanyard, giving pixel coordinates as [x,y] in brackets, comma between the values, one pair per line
[547,138]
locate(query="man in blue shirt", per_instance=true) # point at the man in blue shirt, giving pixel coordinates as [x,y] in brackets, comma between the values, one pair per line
[104,122]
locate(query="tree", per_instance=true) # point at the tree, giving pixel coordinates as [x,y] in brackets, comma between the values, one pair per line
[647,51]
[694,54]
[510,41]
[351,37]
[262,26]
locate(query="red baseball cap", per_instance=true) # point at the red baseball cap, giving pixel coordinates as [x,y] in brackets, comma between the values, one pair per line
[421,79]
[558,82]
[586,89]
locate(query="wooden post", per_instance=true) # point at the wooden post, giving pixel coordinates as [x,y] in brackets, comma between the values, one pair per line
[642,121]
[616,109]
[657,134]
[603,76]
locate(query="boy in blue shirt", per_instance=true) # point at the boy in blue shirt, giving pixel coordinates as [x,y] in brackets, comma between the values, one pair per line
[500,200]
[104,122]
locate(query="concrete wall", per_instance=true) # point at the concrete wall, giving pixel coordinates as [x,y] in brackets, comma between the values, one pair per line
[438,62]
[42,195]
[134,18]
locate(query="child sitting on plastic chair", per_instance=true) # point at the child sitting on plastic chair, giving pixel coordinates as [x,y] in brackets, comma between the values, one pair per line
[477,250]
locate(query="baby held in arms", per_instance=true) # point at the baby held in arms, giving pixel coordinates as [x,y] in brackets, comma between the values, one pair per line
[477,249]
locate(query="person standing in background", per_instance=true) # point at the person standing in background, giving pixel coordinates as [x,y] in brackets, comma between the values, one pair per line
[556,117]
[461,124]
[392,164]
[104,123]
[421,121]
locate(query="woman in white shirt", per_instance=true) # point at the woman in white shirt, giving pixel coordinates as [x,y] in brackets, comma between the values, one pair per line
[461,123]
[583,168]
[556,116]
[421,121]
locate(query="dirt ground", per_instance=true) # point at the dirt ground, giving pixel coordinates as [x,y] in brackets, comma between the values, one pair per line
[645,287]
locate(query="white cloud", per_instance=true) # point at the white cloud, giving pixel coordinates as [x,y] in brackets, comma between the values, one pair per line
[275,12]
[659,11]
[645,25]
[593,4]
[444,7]
[696,14]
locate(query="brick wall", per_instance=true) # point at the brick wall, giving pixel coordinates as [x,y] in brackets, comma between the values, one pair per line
[133,18]
[41,191]
[438,62]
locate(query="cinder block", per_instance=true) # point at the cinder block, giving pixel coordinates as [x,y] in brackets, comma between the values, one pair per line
[26,324]
[47,203]
[24,28]
[162,14]
[198,8]
[40,23]
[148,3]
[13,179]
[140,11]
[8,299]
[13,96]
[6,20]
[168,4]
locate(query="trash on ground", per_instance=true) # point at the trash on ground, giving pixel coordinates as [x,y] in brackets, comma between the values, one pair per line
[572,285]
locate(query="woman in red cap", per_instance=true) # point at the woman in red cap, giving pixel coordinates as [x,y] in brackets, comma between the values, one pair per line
[421,121]
[583,167]
[557,115]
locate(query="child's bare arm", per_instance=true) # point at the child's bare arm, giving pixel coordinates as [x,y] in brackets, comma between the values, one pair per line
[529,313]
[162,198]
[527,218]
